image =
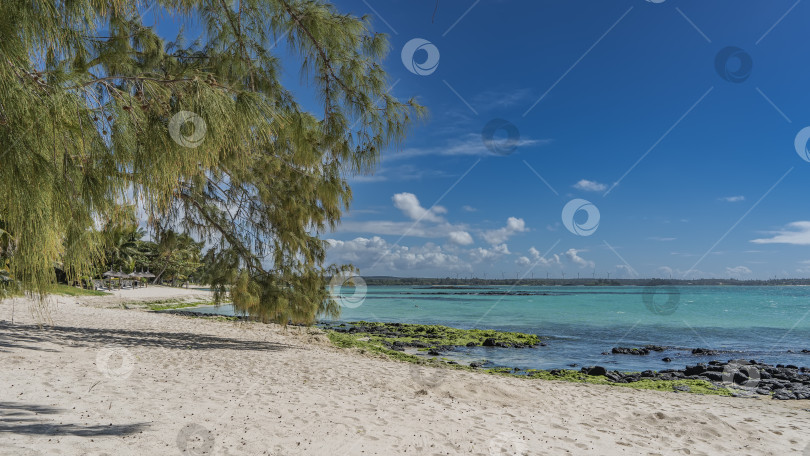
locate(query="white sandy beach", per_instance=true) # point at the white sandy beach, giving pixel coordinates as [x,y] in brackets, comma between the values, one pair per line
[105,380]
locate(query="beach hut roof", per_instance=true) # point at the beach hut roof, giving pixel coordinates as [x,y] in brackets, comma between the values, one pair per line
[147,275]
[109,273]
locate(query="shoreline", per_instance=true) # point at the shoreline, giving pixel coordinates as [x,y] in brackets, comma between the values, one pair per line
[733,377]
[106,380]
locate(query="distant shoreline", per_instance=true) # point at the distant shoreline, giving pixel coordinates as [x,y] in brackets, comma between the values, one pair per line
[449,281]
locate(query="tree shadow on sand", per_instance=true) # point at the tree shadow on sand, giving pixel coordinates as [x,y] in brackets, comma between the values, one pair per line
[31,337]
[22,418]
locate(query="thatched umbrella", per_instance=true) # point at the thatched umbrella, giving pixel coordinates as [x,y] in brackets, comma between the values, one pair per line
[147,275]
[109,275]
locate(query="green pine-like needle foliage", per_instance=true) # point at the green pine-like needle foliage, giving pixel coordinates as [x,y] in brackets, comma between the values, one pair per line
[97,111]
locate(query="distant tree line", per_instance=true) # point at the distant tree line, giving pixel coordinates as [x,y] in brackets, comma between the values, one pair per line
[452,281]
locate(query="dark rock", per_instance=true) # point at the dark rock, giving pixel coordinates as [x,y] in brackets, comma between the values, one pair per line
[432,352]
[656,348]
[595,370]
[488,342]
[630,351]
[666,360]
[476,364]
[703,352]
[471,344]
[695,370]
[763,391]
[648,374]
[713,376]
[784,395]
[684,388]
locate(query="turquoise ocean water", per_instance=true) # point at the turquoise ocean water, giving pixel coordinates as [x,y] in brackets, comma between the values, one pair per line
[769,324]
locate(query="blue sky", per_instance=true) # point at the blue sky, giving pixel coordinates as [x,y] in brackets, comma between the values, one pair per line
[617,103]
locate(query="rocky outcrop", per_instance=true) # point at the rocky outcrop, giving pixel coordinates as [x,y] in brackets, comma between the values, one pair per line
[741,377]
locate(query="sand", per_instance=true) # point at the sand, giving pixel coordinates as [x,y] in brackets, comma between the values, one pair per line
[106,380]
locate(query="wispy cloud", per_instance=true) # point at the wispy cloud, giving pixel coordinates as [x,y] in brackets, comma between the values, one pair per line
[499,99]
[732,199]
[661,239]
[590,186]
[470,144]
[796,233]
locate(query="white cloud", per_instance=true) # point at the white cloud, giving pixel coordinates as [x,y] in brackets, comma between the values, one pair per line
[732,199]
[479,254]
[523,261]
[377,253]
[573,256]
[460,238]
[625,271]
[665,271]
[796,233]
[539,259]
[590,186]
[738,271]
[466,208]
[513,225]
[408,203]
